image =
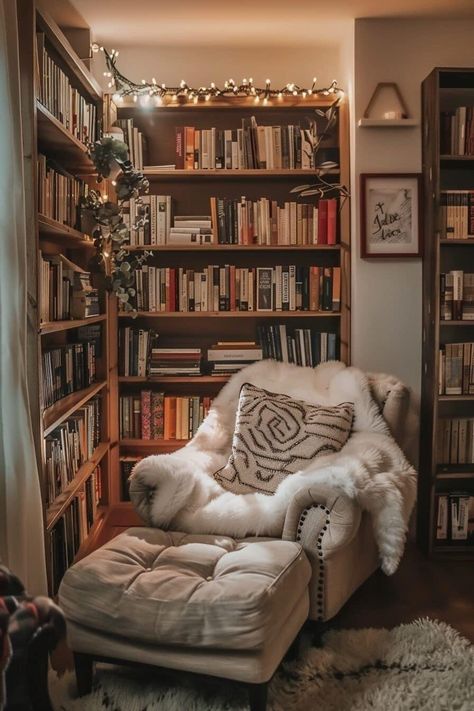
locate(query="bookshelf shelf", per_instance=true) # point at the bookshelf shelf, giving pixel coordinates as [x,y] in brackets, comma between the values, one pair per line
[61,410]
[58,326]
[176,379]
[456,323]
[58,507]
[232,174]
[235,248]
[232,314]
[466,242]
[455,398]
[67,236]
[454,158]
[54,138]
[158,445]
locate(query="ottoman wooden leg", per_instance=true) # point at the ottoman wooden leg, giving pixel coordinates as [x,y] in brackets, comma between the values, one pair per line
[84,672]
[258,697]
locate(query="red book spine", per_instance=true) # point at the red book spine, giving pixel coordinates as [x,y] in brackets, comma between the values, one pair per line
[146,413]
[180,147]
[332,221]
[323,222]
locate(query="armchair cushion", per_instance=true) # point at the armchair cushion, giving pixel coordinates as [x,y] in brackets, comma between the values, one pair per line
[276,435]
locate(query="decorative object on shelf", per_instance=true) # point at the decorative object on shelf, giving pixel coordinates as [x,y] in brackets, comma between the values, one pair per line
[111,160]
[156,91]
[390,215]
[393,112]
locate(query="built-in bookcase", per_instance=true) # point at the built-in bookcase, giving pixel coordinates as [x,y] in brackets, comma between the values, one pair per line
[191,191]
[446,482]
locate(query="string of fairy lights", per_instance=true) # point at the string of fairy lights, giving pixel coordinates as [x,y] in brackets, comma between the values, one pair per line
[156,93]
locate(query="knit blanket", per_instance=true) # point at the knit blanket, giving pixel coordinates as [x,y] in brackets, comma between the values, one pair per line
[370,468]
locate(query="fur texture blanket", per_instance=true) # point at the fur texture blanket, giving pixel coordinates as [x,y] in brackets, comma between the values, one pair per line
[370,468]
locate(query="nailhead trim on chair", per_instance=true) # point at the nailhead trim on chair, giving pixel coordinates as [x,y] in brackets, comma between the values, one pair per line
[319,546]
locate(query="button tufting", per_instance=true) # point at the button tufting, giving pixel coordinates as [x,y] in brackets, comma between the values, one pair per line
[148,570]
[209,578]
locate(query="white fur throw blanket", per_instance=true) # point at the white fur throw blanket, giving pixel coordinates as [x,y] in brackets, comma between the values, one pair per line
[370,468]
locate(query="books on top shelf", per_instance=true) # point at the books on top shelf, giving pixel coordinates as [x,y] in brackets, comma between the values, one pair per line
[456,369]
[153,415]
[457,131]
[457,214]
[70,445]
[231,288]
[302,346]
[455,517]
[227,357]
[56,93]
[59,192]
[456,296]
[455,441]
[251,146]
[135,141]
[66,369]
[66,291]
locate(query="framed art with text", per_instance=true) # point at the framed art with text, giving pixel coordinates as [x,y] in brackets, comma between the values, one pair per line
[390,208]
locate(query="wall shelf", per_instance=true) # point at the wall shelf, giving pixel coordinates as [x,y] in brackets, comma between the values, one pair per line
[387,123]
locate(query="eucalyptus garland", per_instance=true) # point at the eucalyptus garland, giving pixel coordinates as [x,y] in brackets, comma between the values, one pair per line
[111,232]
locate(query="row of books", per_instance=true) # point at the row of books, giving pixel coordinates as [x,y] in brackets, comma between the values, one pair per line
[154,415]
[65,291]
[135,141]
[126,468]
[455,517]
[73,527]
[457,131]
[456,369]
[457,214]
[56,93]
[302,346]
[457,296]
[233,221]
[455,441]
[58,192]
[231,288]
[70,445]
[66,369]
[251,146]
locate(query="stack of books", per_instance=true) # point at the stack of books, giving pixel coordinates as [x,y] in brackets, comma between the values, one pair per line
[70,445]
[457,214]
[151,415]
[456,369]
[301,346]
[175,361]
[231,288]
[66,369]
[135,346]
[227,357]
[56,93]
[59,192]
[251,146]
[455,442]
[457,296]
[455,518]
[66,291]
[191,229]
[135,141]
[457,131]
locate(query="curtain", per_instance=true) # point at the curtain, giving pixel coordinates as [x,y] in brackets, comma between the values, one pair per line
[21,517]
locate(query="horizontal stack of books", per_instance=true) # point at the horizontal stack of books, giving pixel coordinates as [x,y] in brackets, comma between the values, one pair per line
[301,346]
[70,445]
[265,222]
[66,291]
[455,442]
[251,146]
[59,192]
[135,345]
[153,415]
[457,214]
[66,369]
[56,93]
[456,369]
[457,131]
[455,518]
[227,357]
[191,229]
[73,527]
[174,361]
[231,288]
[135,141]
[457,296]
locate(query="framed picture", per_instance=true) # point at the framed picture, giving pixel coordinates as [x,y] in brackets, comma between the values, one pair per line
[390,215]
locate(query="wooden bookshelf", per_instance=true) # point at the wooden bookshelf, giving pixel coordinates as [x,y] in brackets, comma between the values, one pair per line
[282,315]
[55,140]
[58,326]
[441,172]
[231,174]
[64,408]
[68,237]
[234,248]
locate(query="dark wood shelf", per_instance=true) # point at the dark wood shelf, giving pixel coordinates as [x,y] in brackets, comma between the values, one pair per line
[460,551]
[232,314]
[54,138]
[233,174]
[55,231]
[453,158]
[455,398]
[464,322]
[233,248]
[465,242]
[58,326]
[58,507]
[315,100]
[61,410]
[150,445]
[165,379]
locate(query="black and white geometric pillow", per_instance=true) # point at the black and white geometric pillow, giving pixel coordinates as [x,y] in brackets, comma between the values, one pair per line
[276,435]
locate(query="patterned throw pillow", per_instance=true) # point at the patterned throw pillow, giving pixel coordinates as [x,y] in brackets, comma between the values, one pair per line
[276,435]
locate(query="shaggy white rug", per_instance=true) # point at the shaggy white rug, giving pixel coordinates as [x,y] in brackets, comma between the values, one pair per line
[420,666]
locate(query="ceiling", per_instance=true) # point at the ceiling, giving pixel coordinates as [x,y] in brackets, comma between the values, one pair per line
[220,22]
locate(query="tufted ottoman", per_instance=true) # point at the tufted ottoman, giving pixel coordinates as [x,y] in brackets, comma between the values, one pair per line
[201,603]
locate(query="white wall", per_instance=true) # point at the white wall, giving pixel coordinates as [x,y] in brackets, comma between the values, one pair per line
[386,298]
